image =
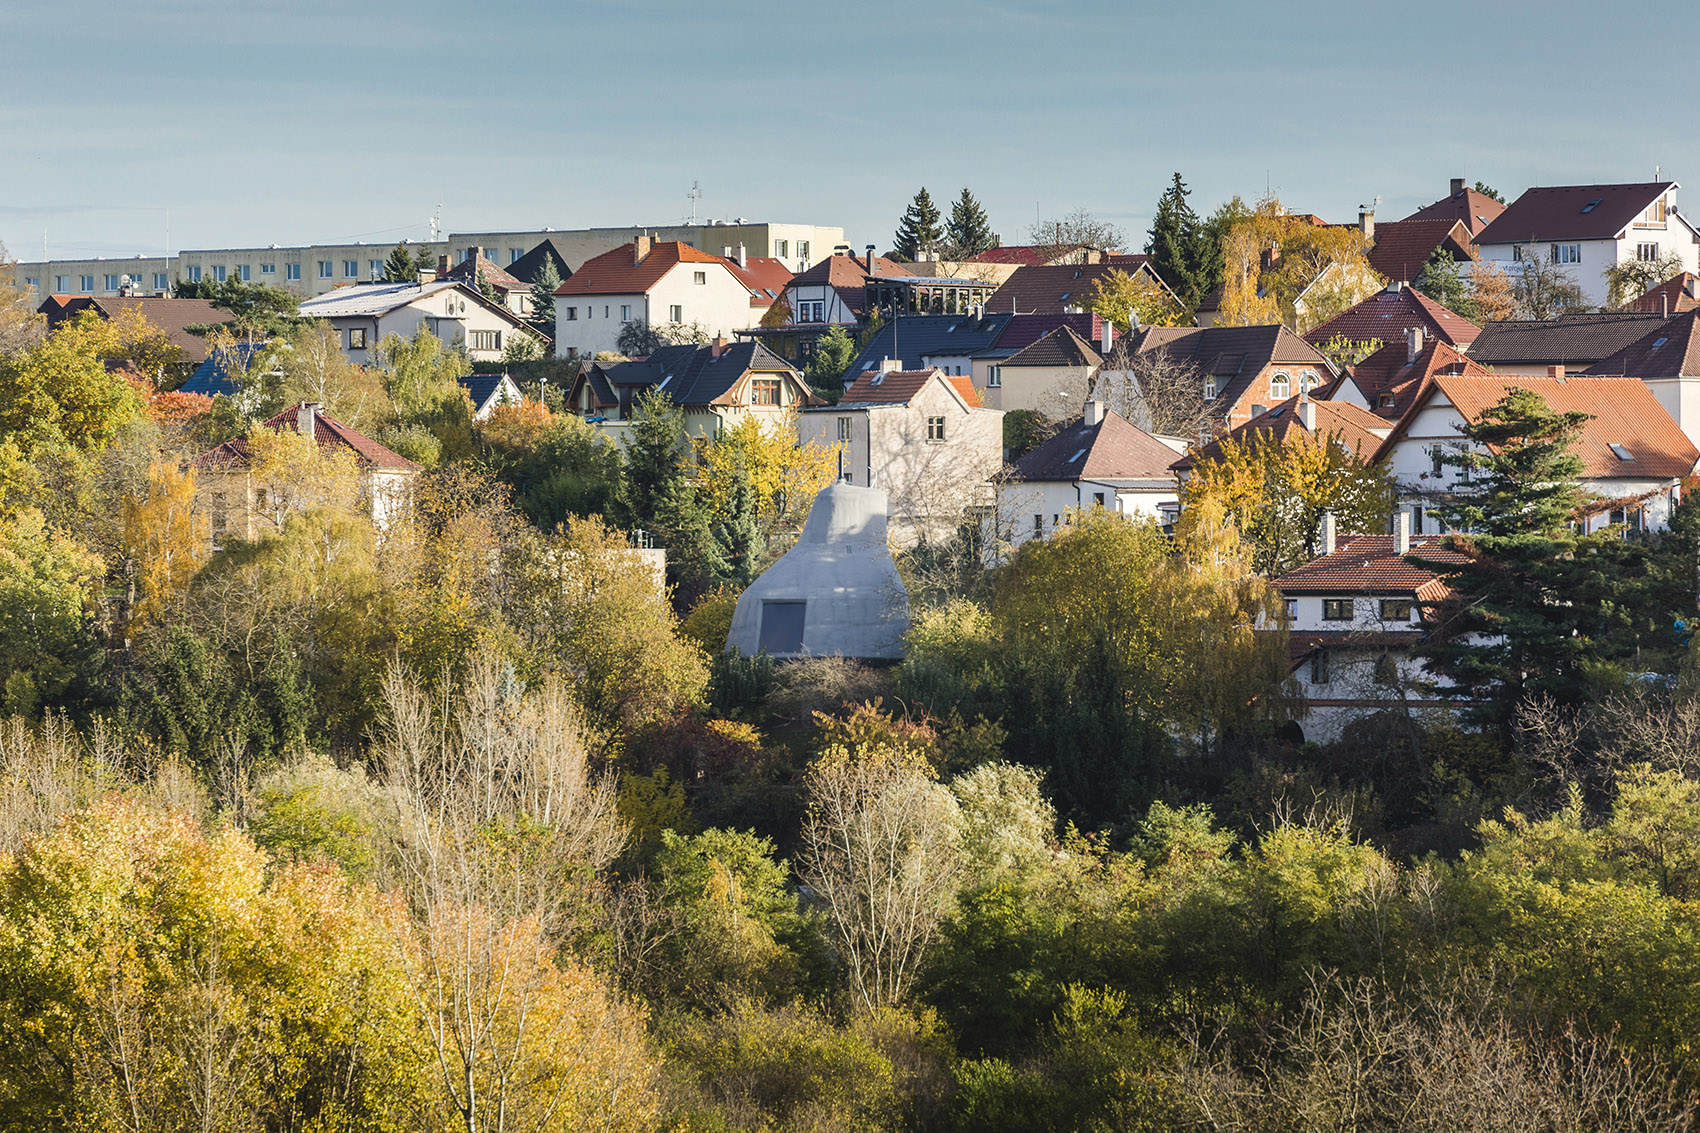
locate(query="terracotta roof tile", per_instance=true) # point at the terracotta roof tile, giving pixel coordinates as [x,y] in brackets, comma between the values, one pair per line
[1672,297]
[1113,449]
[1472,209]
[765,276]
[1372,564]
[615,273]
[894,387]
[170,316]
[964,385]
[1061,347]
[332,436]
[1357,429]
[496,275]
[1235,356]
[1390,383]
[1050,289]
[1388,314]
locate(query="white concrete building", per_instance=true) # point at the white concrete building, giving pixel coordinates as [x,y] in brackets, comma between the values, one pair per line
[666,284]
[365,314]
[1585,229]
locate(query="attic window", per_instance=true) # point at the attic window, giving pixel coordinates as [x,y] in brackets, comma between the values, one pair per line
[1063,298]
[1659,342]
[662,384]
[1620,452]
[1592,205]
[1076,457]
[878,378]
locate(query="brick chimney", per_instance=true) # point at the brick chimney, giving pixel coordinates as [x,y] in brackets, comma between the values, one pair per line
[304,414]
[1413,344]
[640,249]
[716,347]
[1556,372]
[870,259]
[1366,223]
[1402,532]
[1326,542]
[1457,186]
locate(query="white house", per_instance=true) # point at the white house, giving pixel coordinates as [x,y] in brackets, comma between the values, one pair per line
[1101,461]
[364,314]
[1586,229]
[661,283]
[716,386]
[488,391]
[920,436]
[1633,454]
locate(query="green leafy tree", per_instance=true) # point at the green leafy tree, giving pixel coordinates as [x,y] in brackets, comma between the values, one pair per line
[637,339]
[49,653]
[1177,245]
[543,297]
[968,232]
[920,230]
[1628,280]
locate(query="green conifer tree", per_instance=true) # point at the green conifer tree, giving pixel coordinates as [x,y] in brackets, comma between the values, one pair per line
[402,266]
[920,230]
[1176,244]
[543,296]
[968,232]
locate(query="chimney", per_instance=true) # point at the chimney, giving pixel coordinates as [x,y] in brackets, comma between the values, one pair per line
[1327,539]
[1094,412]
[1556,372]
[426,275]
[1413,344]
[1307,412]
[443,264]
[1366,223]
[725,251]
[888,366]
[1106,336]
[1457,186]
[716,347]
[640,249]
[1402,532]
[304,418]
[870,259]
[743,259]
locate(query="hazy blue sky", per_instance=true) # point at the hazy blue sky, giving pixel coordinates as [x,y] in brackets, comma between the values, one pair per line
[300,121]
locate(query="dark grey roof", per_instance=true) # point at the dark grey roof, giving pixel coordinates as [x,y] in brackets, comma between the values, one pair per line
[915,337]
[1233,355]
[481,387]
[1571,340]
[529,265]
[1114,448]
[690,375]
[1061,347]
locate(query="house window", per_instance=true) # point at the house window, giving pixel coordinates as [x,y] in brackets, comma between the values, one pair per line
[994,376]
[782,626]
[1038,526]
[62,282]
[569,313]
[268,269]
[111,282]
[292,271]
[324,269]
[374,269]
[1417,520]
[351,269]
[218,513]
[1210,389]
[33,282]
[514,254]
[357,338]
[218,273]
[780,248]
[935,428]
[486,340]
[245,271]
[1395,609]
[1437,456]
[764,391]
[625,312]
[1310,381]
[802,249]
[1566,253]
[1319,667]
[85,282]
[1386,670]
[1646,252]
[490,255]
[1385,401]
[1258,410]
[700,278]
[1336,609]
[259,499]
[1097,499]
[1292,608]
[844,428]
[1655,213]
[1280,387]
[195,273]
[676,313]
[161,281]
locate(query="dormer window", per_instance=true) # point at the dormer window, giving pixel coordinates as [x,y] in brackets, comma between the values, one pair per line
[1280,387]
[1209,389]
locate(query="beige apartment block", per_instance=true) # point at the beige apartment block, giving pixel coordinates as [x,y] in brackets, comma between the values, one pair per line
[139,275]
[798,246]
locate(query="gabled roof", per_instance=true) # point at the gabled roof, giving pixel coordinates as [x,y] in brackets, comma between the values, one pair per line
[1358,429]
[371,300]
[332,435]
[1388,314]
[482,388]
[1402,247]
[529,266]
[1113,449]
[1570,340]
[1046,289]
[690,375]
[1234,356]
[1390,380]
[1672,297]
[1670,350]
[847,276]
[169,316]
[1372,564]
[213,376]
[899,387]
[1022,331]
[1572,212]
[619,272]
[1474,210]
[1061,347]
[913,338]
[1624,414]
[469,269]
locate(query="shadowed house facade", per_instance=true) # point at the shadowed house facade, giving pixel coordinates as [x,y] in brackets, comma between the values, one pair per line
[716,386]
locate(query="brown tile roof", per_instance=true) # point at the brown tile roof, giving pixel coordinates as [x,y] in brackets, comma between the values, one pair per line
[1061,347]
[1571,340]
[765,276]
[848,276]
[1357,429]
[1672,297]
[1049,289]
[1021,331]
[1388,314]
[1235,356]
[1026,254]
[894,387]
[615,273]
[1402,247]
[964,385]
[496,275]
[1371,564]
[1623,411]
[1390,383]
[169,316]
[1572,212]
[1670,350]
[332,435]
[1113,449]
[1472,209]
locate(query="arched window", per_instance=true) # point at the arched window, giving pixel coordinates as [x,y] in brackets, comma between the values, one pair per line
[1311,381]
[1280,387]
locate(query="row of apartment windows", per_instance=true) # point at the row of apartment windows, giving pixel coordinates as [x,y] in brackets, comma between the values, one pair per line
[570,314]
[244,272]
[489,254]
[109,282]
[1556,253]
[781,249]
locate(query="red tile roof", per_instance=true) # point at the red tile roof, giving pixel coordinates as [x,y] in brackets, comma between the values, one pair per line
[497,276]
[848,276]
[616,273]
[1623,411]
[765,276]
[332,435]
[1672,297]
[894,387]
[1388,314]
[169,316]
[1061,347]
[1372,564]
[1467,206]
[1402,247]
[1390,380]
[964,385]
[1358,429]
[1027,254]
[1573,212]
[1050,289]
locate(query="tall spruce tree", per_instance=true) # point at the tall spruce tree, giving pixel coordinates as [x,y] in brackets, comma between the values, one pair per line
[968,232]
[920,230]
[1515,628]
[543,296]
[402,266]
[1176,244]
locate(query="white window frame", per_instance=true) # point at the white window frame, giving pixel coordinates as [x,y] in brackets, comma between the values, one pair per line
[1647,253]
[268,269]
[325,267]
[625,312]
[935,429]
[1280,386]
[351,269]
[994,377]
[700,278]
[676,313]
[844,428]
[292,271]
[1566,253]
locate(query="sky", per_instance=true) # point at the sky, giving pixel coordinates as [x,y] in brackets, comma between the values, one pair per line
[212,123]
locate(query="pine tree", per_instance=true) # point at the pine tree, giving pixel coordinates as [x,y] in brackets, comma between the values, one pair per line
[543,295]
[1176,244]
[736,533]
[653,451]
[834,351]
[968,232]
[401,267]
[920,230]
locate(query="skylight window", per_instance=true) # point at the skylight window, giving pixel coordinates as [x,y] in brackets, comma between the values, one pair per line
[1620,452]
[1659,342]
[1592,205]
[878,378]
[1076,457]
